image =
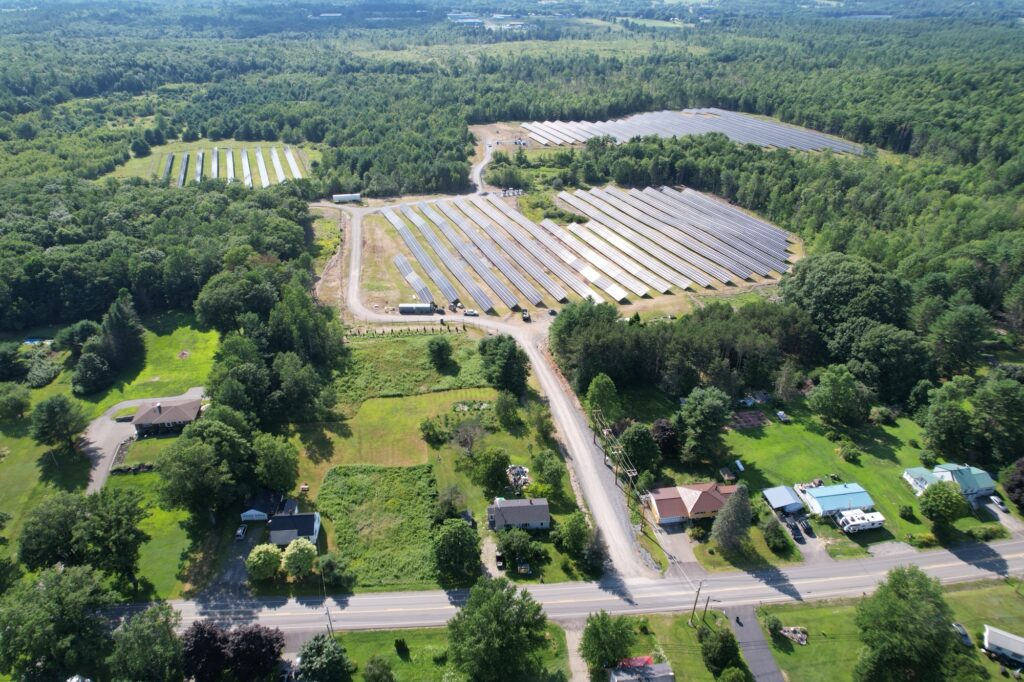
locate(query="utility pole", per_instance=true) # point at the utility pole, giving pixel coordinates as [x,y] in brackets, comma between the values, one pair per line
[696,597]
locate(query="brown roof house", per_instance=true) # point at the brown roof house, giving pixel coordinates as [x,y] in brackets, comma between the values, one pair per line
[676,504]
[532,514]
[166,417]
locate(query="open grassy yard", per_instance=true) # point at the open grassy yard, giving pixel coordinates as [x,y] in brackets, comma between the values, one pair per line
[148,450]
[428,647]
[755,554]
[382,519]
[400,366]
[672,639]
[833,635]
[165,554]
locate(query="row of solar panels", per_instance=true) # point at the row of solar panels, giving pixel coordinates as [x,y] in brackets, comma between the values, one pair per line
[275,159]
[739,127]
[635,242]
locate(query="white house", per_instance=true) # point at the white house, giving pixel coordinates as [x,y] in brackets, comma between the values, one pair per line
[919,478]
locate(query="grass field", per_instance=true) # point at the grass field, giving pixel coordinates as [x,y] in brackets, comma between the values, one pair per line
[672,639]
[326,238]
[381,521]
[428,647]
[165,554]
[400,366]
[833,635]
[754,555]
[147,450]
[152,166]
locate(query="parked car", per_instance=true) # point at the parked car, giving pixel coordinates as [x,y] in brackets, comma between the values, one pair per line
[499,560]
[998,501]
[805,525]
[794,530]
[961,632]
[552,312]
[242,530]
[783,417]
[526,315]
[471,313]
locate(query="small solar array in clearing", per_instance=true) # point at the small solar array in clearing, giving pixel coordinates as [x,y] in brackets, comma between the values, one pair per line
[635,243]
[738,127]
[212,168]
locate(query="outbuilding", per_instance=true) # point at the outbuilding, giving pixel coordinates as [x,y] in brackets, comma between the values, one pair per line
[1003,643]
[828,500]
[783,499]
[346,198]
[262,506]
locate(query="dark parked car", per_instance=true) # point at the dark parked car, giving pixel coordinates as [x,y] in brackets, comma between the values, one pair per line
[961,632]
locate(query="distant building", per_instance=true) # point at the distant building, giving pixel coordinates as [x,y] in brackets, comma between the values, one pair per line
[828,500]
[1003,643]
[973,482]
[166,417]
[531,514]
[783,499]
[285,528]
[676,504]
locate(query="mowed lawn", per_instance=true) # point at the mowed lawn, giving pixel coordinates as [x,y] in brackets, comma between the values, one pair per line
[148,450]
[834,637]
[428,647]
[674,640]
[163,556]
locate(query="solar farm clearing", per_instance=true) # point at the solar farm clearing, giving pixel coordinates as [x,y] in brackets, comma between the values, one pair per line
[741,128]
[253,164]
[626,246]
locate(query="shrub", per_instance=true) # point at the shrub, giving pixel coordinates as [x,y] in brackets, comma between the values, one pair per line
[772,624]
[434,431]
[906,512]
[263,562]
[774,536]
[913,442]
[879,414]
[832,436]
[299,557]
[848,451]
[988,532]
[928,459]
[698,533]
[922,540]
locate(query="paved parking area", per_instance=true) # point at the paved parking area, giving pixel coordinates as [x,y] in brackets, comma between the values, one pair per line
[756,648]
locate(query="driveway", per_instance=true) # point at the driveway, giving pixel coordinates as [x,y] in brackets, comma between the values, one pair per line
[1009,521]
[104,435]
[756,648]
[230,582]
[682,563]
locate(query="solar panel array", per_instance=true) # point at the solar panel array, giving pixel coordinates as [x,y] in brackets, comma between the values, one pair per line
[449,259]
[167,168]
[741,128]
[264,178]
[183,170]
[289,155]
[276,160]
[246,171]
[438,277]
[414,280]
[200,155]
[633,243]
[215,166]
[231,165]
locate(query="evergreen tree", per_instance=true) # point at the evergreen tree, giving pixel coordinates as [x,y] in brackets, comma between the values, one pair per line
[731,526]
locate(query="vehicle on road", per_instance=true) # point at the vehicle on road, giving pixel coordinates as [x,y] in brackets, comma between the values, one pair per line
[471,313]
[961,632]
[526,315]
[242,530]
[998,501]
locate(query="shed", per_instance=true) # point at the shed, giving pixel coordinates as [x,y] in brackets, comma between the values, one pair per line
[827,500]
[783,499]
[530,514]
[1004,644]
[261,506]
[346,198]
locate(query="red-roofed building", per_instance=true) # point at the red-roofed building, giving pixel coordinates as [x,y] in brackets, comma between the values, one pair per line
[677,504]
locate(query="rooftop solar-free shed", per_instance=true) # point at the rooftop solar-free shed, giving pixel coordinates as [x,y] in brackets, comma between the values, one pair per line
[783,499]
[827,500]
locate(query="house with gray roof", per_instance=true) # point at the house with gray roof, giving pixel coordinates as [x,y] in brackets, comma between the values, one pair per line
[166,417]
[530,514]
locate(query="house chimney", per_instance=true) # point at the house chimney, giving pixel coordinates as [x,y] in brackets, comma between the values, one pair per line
[159,408]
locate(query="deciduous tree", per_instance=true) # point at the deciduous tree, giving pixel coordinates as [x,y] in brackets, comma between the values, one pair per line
[263,562]
[253,651]
[439,349]
[147,647]
[324,660]
[505,364]
[602,395]
[497,619]
[839,398]
[298,557]
[942,503]
[58,420]
[639,446]
[15,400]
[606,640]
[277,462]
[704,416]
[456,552]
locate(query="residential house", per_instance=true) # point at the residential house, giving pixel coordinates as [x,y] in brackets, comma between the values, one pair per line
[676,504]
[1004,644]
[783,499]
[287,527]
[919,478]
[828,500]
[641,669]
[974,483]
[530,514]
[166,417]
